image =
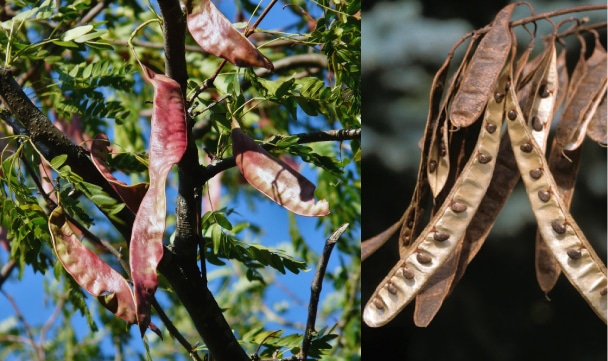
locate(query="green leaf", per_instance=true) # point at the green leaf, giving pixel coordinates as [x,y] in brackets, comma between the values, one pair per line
[77,32]
[58,161]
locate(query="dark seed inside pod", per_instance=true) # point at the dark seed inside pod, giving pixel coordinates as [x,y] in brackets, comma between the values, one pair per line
[574,253]
[442,152]
[537,124]
[441,236]
[498,97]
[423,258]
[558,227]
[604,291]
[536,173]
[410,224]
[544,195]
[458,207]
[407,273]
[491,128]
[484,158]
[526,147]
[378,303]
[432,166]
[512,114]
[543,91]
[508,85]
[391,288]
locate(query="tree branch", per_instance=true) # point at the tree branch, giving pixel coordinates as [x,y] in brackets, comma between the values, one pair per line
[323,136]
[315,290]
[51,142]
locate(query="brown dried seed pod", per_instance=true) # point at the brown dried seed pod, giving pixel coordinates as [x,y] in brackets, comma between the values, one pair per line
[491,128]
[484,158]
[378,303]
[526,147]
[537,124]
[544,195]
[423,258]
[441,236]
[458,207]
[432,166]
[391,288]
[512,114]
[558,226]
[498,97]
[574,253]
[536,173]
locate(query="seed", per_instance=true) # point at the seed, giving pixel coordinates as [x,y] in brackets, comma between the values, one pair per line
[544,195]
[604,291]
[432,166]
[574,253]
[408,274]
[498,97]
[441,236]
[378,303]
[536,173]
[442,152]
[410,224]
[526,147]
[458,207]
[391,288]
[484,158]
[558,227]
[508,85]
[491,128]
[423,258]
[512,114]
[537,124]
[543,91]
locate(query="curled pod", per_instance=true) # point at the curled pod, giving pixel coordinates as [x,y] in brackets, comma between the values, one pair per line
[168,141]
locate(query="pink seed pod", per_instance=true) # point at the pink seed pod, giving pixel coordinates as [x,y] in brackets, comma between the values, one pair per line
[131,195]
[90,272]
[215,34]
[274,178]
[168,141]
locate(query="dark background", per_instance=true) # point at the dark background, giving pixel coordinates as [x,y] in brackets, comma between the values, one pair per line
[497,311]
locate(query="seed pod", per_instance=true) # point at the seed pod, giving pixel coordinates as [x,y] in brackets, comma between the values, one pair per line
[90,272]
[168,142]
[588,274]
[214,33]
[131,195]
[470,185]
[275,178]
[483,71]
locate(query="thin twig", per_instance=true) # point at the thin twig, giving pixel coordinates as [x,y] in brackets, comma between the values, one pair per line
[173,330]
[6,271]
[39,352]
[315,290]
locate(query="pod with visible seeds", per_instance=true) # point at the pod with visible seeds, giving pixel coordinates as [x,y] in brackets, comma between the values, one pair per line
[469,188]
[588,274]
